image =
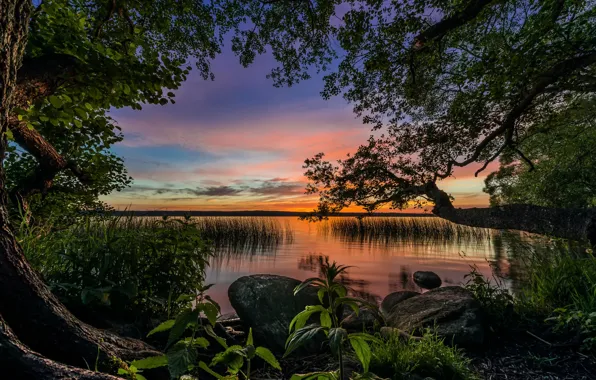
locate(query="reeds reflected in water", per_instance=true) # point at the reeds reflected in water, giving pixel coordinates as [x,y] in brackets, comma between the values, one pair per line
[404,229]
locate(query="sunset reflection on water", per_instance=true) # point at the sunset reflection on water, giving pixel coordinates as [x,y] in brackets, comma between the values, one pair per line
[380,266]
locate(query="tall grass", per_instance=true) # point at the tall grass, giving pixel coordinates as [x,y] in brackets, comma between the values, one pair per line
[244,233]
[387,229]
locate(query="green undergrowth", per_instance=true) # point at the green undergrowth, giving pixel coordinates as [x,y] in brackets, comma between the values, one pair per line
[401,359]
[554,288]
[121,267]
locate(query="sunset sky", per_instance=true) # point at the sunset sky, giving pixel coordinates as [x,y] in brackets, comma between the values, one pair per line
[238,143]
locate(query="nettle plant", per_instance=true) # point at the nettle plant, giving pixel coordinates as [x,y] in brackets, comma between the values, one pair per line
[187,335]
[234,357]
[333,299]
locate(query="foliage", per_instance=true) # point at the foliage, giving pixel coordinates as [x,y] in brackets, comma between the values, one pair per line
[454,83]
[125,266]
[399,358]
[554,281]
[563,163]
[182,355]
[333,294]
[496,300]
[584,322]
[89,57]
[556,275]
[235,356]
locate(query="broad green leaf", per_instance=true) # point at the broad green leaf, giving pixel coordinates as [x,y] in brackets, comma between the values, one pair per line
[151,362]
[218,339]
[321,294]
[268,356]
[206,368]
[210,311]
[140,377]
[336,338]
[300,319]
[55,101]
[362,350]
[301,337]
[182,321]
[180,357]
[366,337]
[325,319]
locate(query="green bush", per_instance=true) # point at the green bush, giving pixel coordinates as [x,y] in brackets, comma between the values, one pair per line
[125,267]
[398,358]
[496,300]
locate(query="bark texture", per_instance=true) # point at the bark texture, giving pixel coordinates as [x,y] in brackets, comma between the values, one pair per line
[573,224]
[26,304]
[22,363]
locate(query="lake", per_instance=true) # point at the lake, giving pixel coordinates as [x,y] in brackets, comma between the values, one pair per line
[382,262]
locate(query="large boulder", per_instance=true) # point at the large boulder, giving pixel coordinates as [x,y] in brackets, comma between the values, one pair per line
[453,310]
[427,279]
[267,304]
[395,298]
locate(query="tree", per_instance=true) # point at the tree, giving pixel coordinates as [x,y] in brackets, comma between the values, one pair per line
[63,64]
[454,83]
[563,164]
[61,203]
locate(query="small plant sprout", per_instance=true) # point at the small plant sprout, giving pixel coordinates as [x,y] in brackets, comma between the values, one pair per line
[235,357]
[333,297]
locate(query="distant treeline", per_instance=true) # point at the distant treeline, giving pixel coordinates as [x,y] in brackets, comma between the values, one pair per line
[254,213]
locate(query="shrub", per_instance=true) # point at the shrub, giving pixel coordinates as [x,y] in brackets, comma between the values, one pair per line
[398,358]
[495,299]
[124,267]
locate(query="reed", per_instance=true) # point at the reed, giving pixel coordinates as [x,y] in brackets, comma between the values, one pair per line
[388,229]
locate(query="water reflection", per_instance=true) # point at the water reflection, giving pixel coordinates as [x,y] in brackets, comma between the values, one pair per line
[380,265]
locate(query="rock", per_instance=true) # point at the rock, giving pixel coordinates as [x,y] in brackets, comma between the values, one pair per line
[452,310]
[394,298]
[364,321]
[427,279]
[267,304]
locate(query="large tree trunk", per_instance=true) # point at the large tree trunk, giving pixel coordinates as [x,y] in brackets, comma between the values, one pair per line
[19,362]
[573,224]
[26,304]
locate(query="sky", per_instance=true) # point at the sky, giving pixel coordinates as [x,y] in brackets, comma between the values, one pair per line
[238,143]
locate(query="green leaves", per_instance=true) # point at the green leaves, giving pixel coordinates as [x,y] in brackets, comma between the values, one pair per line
[299,321]
[362,350]
[186,317]
[164,326]
[337,336]
[151,362]
[301,337]
[55,101]
[268,357]
[181,357]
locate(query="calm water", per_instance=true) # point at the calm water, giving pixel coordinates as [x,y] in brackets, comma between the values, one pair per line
[380,267]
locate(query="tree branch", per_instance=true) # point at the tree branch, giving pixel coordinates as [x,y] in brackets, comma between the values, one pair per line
[440,29]
[508,125]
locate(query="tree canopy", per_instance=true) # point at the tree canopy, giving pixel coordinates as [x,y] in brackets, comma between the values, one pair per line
[453,83]
[563,167]
[83,58]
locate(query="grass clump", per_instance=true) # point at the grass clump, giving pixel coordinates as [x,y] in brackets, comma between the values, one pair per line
[243,233]
[401,359]
[122,267]
[379,229]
